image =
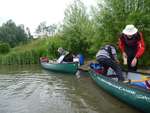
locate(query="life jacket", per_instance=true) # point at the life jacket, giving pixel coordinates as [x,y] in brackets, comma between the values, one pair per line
[131,44]
[98,68]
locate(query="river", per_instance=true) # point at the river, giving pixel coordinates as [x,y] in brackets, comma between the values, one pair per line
[30,89]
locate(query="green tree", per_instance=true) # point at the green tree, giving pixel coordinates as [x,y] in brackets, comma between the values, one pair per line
[77,28]
[12,34]
[112,16]
[41,29]
[4,48]
[44,30]
[51,29]
[29,33]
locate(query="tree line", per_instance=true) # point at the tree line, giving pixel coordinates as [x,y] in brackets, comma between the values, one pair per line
[12,34]
[85,32]
[45,30]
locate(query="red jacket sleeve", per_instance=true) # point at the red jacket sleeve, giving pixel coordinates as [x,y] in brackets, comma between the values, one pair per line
[141,47]
[121,45]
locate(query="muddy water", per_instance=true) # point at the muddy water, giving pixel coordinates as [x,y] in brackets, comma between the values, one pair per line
[30,89]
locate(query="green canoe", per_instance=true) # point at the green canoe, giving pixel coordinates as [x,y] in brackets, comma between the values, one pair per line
[61,67]
[137,97]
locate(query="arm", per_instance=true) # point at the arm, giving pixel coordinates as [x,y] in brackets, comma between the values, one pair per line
[141,47]
[115,58]
[114,54]
[121,45]
[60,59]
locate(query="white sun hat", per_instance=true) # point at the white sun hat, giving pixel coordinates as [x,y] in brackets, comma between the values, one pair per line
[130,30]
[60,50]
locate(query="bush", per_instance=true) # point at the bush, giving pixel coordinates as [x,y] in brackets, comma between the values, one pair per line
[4,48]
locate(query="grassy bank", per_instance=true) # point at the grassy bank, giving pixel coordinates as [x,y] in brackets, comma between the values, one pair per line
[25,54]
[31,52]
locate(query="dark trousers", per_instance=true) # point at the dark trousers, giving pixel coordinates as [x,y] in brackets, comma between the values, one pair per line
[108,62]
[130,68]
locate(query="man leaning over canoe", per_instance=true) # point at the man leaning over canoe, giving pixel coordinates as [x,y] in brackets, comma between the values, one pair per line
[107,57]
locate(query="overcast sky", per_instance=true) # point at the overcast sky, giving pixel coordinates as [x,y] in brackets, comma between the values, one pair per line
[32,12]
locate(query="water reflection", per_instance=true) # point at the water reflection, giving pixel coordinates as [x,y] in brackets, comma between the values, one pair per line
[29,89]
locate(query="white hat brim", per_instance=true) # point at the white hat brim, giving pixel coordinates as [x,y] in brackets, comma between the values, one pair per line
[131,32]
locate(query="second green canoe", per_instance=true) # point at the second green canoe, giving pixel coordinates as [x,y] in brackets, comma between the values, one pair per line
[61,67]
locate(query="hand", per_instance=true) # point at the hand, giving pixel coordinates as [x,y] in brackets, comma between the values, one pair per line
[134,62]
[124,55]
[124,58]
[117,61]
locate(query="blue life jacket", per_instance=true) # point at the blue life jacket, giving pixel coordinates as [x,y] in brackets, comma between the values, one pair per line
[95,66]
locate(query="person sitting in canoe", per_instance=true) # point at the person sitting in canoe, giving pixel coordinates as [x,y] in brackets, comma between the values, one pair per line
[107,57]
[65,56]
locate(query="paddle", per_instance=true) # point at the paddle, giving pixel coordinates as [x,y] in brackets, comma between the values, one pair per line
[139,72]
[84,69]
[81,72]
[130,81]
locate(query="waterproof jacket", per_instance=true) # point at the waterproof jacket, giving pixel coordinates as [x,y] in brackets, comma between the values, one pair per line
[133,47]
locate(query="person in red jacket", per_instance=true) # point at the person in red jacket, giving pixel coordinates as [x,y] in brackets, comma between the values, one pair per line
[132,46]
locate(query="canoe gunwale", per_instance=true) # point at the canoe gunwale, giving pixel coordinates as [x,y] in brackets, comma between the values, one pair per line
[133,96]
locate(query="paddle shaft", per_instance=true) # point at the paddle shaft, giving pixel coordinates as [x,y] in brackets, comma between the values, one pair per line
[85,69]
[139,72]
[129,81]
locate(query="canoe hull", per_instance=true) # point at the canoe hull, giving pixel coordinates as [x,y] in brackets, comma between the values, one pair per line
[62,67]
[140,99]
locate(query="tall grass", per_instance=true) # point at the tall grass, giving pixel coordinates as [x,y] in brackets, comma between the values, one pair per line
[27,54]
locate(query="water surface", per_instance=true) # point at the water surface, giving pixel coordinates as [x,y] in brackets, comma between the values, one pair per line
[30,89]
